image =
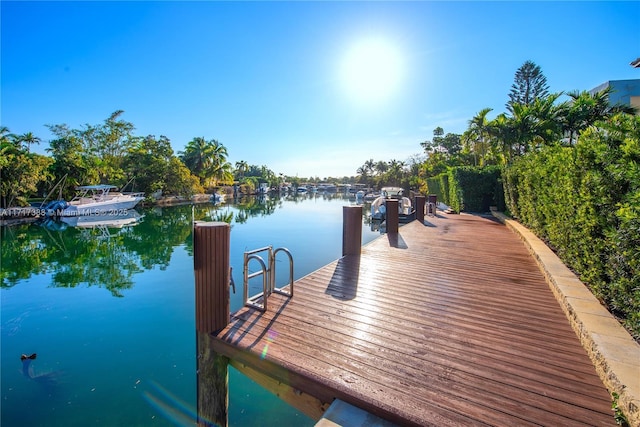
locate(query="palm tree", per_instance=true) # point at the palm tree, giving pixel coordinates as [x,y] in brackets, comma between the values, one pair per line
[222,173]
[241,167]
[584,109]
[4,134]
[546,127]
[396,172]
[477,133]
[363,175]
[369,166]
[502,136]
[206,159]
[381,167]
[195,155]
[29,138]
[217,168]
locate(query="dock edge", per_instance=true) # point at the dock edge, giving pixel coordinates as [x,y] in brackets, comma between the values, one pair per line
[612,350]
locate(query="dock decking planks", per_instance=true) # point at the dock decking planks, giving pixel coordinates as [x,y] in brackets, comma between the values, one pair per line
[449,322]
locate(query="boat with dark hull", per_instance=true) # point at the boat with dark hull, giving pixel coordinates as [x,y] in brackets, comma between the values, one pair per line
[406,211]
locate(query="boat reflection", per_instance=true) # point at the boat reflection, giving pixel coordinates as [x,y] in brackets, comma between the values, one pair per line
[124,218]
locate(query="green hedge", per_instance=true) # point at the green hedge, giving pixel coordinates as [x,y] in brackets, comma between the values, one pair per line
[585,202]
[439,185]
[473,189]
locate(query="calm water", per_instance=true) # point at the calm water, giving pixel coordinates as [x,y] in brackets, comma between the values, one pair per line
[110,313]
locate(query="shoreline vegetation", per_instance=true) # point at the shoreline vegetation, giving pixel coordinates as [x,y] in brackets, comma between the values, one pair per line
[568,170]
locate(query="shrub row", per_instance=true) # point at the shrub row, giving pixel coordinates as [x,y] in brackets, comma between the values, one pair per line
[468,188]
[474,189]
[585,202]
[439,185]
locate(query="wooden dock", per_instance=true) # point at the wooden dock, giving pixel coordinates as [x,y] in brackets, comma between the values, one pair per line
[448,322]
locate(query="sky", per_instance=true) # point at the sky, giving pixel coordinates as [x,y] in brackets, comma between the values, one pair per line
[305,88]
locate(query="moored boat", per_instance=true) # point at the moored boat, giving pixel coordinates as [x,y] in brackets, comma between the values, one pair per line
[218,198]
[97,200]
[406,211]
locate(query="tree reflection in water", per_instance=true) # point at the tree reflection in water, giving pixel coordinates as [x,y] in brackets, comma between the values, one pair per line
[110,257]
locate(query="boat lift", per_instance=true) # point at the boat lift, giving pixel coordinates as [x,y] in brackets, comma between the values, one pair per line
[268,272]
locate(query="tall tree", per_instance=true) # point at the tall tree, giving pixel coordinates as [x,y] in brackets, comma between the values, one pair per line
[219,171]
[477,135]
[370,166]
[381,167]
[208,161]
[196,156]
[114,138]
[20,171]
[241,168]
[502,134]
[529,84]
[71,158]
[28,139]
[363,175]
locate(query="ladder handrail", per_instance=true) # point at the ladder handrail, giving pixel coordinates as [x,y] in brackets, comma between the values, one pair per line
[273,273]
[269,276]
[265,283]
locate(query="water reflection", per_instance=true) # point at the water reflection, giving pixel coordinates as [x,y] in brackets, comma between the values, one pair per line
[108,252]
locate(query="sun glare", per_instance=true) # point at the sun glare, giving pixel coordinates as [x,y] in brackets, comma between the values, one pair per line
[371,71]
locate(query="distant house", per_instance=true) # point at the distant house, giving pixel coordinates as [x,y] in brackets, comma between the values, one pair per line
[624,92]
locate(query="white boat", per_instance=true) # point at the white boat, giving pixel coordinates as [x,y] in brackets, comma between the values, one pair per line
[369,197]
[302,190]
[406,212]
[98,200]
[327,188]
[263,189]
[218,198]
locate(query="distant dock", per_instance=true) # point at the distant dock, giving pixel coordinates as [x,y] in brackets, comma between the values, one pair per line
[447,322]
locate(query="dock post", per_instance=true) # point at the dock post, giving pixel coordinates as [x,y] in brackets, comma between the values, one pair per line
[419,204]
[213,384]
[211,265]
[351,230]
[392,215]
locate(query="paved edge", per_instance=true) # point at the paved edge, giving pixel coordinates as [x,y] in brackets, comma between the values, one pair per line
[614,353]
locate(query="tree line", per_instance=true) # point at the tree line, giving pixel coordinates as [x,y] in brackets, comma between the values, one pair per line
[111,153]
[534,118]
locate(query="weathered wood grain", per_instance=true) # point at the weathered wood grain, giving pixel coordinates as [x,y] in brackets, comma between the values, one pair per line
[448,322]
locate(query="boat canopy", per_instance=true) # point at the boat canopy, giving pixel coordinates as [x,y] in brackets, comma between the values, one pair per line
[392,191]
[96,187]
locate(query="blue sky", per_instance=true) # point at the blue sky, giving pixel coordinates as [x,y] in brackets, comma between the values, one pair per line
[272,81]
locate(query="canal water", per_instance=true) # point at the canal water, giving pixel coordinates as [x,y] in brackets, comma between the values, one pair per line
[109,312]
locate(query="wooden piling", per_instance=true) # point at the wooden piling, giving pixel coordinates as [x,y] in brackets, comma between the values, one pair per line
[419,202]
[351,230]
[213,384]
[211,265]
[391,215]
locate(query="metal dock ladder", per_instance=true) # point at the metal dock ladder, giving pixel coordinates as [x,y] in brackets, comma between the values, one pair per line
[268,272]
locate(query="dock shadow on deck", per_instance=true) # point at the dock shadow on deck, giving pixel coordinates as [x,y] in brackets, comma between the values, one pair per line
[449,322]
